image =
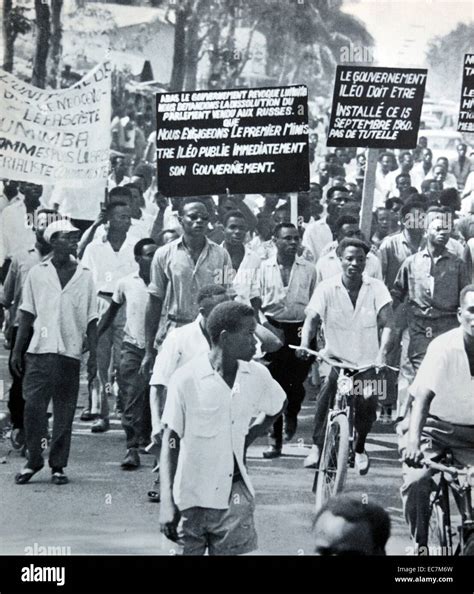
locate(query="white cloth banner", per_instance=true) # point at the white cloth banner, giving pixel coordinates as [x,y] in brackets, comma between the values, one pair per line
[49,136]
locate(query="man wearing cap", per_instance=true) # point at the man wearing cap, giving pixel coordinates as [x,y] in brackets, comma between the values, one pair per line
[59,301]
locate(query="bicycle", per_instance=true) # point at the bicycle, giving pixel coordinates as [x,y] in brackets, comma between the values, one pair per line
[337,453]
[460,482]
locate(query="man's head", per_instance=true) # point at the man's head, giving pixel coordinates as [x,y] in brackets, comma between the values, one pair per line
[287,240]
[337,196]
[144,251]
[119,216]
[406,161]
[403,182]
[347,226]
[194,217]
[63,238]
[235,228]
[450,199]
[462,149]
[121,194]
[119,166]
[427,156]
[382,217]
[352,253]
[10,188]
[323,170]
[413,214]
[439,173]
[466,310]
[438,222]
[137,201]
[346,526]
[209,297]
[282,214]
[386,160]
[231,327]
[423,141]
[42,218]
[443,162]
[32,194]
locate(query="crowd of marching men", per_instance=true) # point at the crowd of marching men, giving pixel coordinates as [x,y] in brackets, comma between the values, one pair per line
[136,292]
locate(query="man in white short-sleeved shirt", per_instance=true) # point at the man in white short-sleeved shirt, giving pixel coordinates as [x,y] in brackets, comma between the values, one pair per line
[209,408]
[353,309]
[442,417]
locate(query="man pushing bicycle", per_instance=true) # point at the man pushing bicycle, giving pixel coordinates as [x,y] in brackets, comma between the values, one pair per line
[356,314]
[442,415]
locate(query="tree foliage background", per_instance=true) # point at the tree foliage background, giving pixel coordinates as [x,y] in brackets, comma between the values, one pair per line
[445,58]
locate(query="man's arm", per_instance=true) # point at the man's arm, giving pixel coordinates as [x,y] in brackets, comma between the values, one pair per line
[270,342]
[262,424]
[24,328]
[109,316]
[152,321]
[89,234]
[169,513]
[385,323]
[310,327]
[92,338]
[419,413]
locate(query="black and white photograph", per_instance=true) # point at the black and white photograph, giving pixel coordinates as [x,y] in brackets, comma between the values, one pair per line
[236,295]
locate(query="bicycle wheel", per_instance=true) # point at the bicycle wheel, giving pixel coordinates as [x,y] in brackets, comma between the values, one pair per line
[438,528]
[468,548]
[331,475]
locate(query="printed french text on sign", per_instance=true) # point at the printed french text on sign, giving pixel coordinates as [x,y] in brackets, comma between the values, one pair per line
[376,107]
[241,141]
[466,112]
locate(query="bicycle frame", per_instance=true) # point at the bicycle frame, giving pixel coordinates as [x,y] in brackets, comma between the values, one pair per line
[459,482]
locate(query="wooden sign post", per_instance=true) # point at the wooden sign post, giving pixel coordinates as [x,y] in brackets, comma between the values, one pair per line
[368,192]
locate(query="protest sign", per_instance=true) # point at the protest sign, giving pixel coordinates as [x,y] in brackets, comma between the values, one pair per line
[236,141]
[48,136]
[376,107]
[466,112]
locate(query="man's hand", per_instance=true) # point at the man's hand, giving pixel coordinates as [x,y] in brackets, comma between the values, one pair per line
[17,363]
[91,367]
[161,201]
[147,365]
[380,360]
[101,219]
[303,354]
[412,456]
[169,519]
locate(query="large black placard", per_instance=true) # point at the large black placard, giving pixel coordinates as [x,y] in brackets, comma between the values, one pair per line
[466,111]
[238,141]
[376,107]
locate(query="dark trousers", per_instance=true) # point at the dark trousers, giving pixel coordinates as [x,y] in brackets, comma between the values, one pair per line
[50,376]
[365,409]
[290,372]
[422,331]
[16,403]
[136,417]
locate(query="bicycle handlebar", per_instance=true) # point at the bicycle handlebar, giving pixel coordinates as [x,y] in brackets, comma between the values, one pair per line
[341,364]
[452,470]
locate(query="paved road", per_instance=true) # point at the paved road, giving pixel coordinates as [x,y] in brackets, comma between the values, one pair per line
[104,510]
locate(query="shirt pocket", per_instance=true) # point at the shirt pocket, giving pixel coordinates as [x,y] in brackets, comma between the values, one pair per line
[205,422]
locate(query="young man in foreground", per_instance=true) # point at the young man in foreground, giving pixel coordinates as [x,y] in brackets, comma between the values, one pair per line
[206,494]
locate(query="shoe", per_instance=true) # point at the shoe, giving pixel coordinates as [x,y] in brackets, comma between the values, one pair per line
[100,426]
[272,452]
[154,494]
[87,415]
[58,477]
[25,475]
[362,463]
[290,426]
[17,438]
[131,460]
[312,459]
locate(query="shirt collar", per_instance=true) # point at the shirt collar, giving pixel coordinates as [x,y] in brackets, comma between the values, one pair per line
[205,368]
